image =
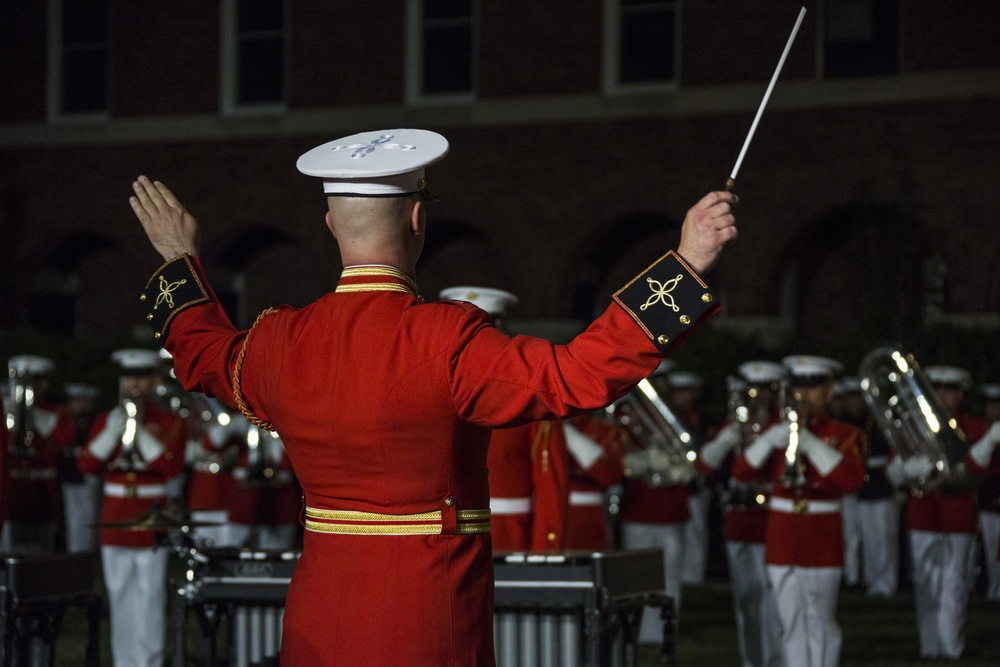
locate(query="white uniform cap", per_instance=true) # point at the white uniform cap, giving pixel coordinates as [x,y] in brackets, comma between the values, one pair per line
[991,391]
[80,390]
[137,361]
[847,385]
[30,364]
[387,163]
[949,375]
[684,380]
[666,366]
[493,301]
[762,372]
[807,369]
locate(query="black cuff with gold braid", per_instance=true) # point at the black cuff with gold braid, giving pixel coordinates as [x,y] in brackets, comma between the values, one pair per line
[666,300]
[175,286]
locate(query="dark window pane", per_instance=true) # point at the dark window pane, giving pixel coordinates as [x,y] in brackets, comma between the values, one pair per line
[862,38]
[444,9]
[261,71]
[647,46]
[84,79]
[258,15]
[84,21]
[447,60]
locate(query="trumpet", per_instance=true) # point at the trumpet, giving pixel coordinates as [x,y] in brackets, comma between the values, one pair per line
[20,417]
[792,475]
[909,414]
[664,449]
[130,400]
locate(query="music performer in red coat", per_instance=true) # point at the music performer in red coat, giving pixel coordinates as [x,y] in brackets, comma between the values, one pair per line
[804,549]
[396,567]
[138,446]
[596,450]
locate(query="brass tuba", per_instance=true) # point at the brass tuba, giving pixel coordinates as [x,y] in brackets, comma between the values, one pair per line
[663,450]
[906,409]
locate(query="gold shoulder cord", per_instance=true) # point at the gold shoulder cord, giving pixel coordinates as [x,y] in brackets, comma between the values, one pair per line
[238,368]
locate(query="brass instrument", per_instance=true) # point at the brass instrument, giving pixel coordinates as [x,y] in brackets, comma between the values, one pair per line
[131,402]
[664,449]
[792,475]
[906,409]
[20,418]
[263,456]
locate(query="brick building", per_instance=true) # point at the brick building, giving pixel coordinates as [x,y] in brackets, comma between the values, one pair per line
[581,132]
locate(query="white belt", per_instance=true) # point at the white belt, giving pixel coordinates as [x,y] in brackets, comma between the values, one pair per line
[586,498]
[134,490]
[32,474]
[804,506]
[876,461]
[510,505]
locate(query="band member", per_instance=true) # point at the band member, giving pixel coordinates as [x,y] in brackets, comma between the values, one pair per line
[989,493]
[211,486]
[81,493]
[942,526]
[596,447]
[851,409]
[812,461]
[527,464]
[139,447]
[758,631]
[39,433]
[396,567]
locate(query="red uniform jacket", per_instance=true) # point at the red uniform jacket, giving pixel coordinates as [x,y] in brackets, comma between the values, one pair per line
[948,510]
[385,406]
[804,536]
[527,465]
[211,482]
[587,524]
[130,494]
[35,494]
[272,501]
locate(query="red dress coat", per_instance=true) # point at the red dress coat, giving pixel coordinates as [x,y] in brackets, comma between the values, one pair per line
[587,524]
[809,536]
[211,482]
[529,462]
[132,493]
[35,493]
[385,405]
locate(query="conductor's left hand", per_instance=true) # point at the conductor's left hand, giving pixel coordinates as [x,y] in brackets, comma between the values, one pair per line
[170,228]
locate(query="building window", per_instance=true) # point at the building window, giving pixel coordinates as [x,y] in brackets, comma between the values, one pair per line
[861,38]
[79,74]
[443,43]
[642,39]
[253,58]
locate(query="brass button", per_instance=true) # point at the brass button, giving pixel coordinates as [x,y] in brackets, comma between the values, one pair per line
[149,317]
[552,537]
[685,319]
[130,477]
[663,339]
[156,335]
[706,297]
[449,501]
[142,297]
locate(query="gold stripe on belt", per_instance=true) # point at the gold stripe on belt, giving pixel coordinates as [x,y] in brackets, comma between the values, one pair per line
[347,522]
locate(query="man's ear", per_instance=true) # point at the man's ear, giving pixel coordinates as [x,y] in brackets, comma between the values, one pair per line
[329,224]
[417,219]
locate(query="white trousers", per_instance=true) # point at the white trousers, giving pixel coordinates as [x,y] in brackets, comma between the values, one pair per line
[940,590]
[880,545]
[136,580]
[989,527]
[758,629]
[82,509]
[851,521]
[696,538]
[670,538]
[807,605]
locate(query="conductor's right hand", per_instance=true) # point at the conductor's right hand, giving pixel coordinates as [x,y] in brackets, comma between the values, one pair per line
[708,226]
[170,228]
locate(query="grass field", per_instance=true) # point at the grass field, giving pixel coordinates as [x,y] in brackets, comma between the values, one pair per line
[877,633]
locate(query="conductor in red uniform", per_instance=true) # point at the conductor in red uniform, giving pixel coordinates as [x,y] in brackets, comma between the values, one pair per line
[396,567]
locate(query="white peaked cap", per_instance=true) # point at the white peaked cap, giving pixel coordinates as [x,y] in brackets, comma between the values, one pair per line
[666,366]
[804,366]
[683,380]
[31,364]
[762,372]
[137,359]
[949,375]
[493,301]
[990,391]
[385,163]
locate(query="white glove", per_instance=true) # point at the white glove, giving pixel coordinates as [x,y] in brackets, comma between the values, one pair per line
[894,471]
[583,448]
[105,442]
[636,463]
[149,446]
[714,452]
[824,457]
[772,439]
[982,451]
[45,421]
[917,467]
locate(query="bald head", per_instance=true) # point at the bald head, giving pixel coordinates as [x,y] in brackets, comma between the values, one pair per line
[377,230]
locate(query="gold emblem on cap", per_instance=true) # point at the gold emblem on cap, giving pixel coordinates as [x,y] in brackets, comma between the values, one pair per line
[422,183]
[472,296]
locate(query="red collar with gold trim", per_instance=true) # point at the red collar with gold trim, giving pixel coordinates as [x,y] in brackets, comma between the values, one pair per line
[375,278]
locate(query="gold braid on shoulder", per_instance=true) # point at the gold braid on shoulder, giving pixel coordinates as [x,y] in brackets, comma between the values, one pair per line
[238,368]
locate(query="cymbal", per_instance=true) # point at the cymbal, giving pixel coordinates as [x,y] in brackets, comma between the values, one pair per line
[157,520]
